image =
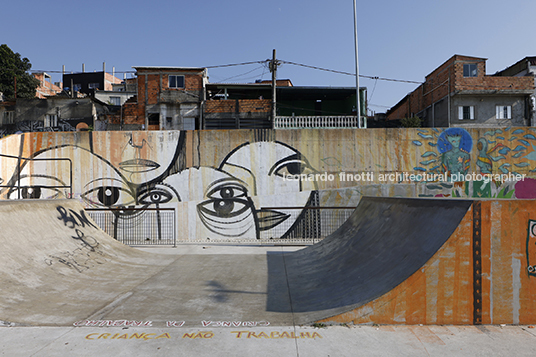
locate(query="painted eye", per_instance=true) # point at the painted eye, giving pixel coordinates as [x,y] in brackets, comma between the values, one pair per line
[37,186]
[155,196]
[226,200]
[227,191]
[107,193]
[291,168]
[227,211]
[32,192]
[292,165]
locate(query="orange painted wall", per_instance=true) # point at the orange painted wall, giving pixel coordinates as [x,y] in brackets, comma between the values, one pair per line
[441,292]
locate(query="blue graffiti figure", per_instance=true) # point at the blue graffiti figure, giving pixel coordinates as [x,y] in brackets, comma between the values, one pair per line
[454,144]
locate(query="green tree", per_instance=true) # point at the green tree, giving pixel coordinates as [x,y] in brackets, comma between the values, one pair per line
[413,122]
[13,66]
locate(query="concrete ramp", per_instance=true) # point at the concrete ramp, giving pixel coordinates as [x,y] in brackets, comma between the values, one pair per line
[57,266]
[382,244]
[485,273]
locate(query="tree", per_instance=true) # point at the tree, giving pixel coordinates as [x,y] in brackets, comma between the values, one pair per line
[14,68]
[413,122]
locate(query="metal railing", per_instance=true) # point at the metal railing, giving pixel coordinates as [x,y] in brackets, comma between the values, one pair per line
[137,226]
[312,222]
[324,122]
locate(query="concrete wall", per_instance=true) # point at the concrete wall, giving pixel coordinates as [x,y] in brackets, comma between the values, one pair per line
[242,184]
[485,110]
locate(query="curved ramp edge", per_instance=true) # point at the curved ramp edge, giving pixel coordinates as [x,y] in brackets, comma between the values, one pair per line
[58,266]
[381,245]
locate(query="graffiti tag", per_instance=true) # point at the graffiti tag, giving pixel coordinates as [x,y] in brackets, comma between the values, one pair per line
[531,248]
[71,219]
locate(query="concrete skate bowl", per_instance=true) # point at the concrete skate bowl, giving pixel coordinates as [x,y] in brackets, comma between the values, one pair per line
[409,261]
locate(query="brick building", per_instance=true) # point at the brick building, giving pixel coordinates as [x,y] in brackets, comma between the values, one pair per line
[523,68]
[168,98]
[46,88]
[459,93]
[249,106]
[238,106]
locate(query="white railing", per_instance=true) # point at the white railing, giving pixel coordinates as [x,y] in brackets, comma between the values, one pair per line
[324,122]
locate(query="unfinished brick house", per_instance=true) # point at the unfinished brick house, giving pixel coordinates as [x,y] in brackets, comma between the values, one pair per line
[46,88]
[168,98]
[459,93]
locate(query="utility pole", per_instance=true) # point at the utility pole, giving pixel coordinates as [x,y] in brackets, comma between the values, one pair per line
[273,69]
[359,125]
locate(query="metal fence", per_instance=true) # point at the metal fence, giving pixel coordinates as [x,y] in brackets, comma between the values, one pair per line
[137,226]
[312,222]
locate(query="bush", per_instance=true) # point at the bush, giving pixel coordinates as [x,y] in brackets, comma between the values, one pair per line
[413,122]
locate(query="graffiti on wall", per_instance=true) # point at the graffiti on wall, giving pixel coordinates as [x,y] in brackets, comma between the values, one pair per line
[236,186]
[498,152]
[245,196]
[87,253]
[531,248]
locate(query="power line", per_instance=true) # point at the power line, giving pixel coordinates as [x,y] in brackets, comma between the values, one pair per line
[243,74]
[234,64]
[350,74]
[264,62]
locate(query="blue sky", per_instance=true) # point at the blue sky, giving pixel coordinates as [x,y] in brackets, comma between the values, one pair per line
[403,40]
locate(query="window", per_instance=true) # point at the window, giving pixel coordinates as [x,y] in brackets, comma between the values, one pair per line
[77,87]
[154,119]
[466,112]
[115,100]
[469,70]
[8,117]
[51,120]
[93,86]
[503,112]
[176,81]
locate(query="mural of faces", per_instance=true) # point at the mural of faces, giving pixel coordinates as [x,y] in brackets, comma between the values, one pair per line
[246,197]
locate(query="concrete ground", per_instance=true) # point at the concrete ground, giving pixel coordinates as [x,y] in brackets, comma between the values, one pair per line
[270,341]
[241,338]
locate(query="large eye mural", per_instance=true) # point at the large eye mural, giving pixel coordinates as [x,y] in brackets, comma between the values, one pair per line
[218,205]
[248,196]
[108,192]
[157,195]
[270,170]
[227,211]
